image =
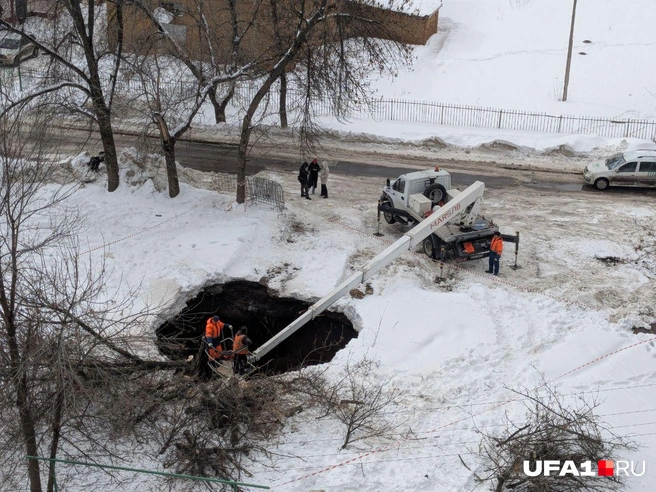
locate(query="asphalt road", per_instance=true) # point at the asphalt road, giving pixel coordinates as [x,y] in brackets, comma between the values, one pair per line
[208,156]
[222,157]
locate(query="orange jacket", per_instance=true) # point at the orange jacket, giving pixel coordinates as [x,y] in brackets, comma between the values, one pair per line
[238,346]
[213,328]
[496,245]
[213,331]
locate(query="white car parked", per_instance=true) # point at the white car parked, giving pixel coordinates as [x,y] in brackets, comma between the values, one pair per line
[635,168]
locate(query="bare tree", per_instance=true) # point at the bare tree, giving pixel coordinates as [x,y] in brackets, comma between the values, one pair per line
[82,66]
[238,30]
[551,430]
[170,103]
[62,333]
[362,398]
[358,398]
[175,87]
[331,46]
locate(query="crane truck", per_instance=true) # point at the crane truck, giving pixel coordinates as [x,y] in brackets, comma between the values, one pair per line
[413,197]
[453,215]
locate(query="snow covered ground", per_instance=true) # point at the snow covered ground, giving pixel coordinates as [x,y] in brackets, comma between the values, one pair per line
[512,54]
[453,349]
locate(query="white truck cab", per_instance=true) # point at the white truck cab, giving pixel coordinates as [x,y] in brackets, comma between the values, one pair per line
[432,184]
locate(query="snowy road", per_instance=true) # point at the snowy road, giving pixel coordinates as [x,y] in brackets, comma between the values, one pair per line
[499,168]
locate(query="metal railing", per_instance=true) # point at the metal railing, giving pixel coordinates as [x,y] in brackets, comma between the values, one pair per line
[504,119]
[417,111]
[265,191]
[258,189]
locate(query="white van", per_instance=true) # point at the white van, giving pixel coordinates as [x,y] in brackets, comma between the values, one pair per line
[635,168]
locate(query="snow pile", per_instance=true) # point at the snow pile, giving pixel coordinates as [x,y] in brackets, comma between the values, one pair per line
[436,136]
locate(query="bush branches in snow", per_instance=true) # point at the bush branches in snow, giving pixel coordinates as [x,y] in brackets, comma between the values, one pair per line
[551,429]
[358,399]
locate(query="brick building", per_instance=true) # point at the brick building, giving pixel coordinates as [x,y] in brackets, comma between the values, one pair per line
[179,18]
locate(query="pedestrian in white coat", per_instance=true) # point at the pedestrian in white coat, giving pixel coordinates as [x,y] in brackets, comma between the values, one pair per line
[324,171]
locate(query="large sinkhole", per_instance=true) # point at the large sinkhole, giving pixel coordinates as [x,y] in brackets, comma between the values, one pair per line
[242,303]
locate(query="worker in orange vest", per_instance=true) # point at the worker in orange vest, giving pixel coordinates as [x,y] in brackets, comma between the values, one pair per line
[496,248]
[214,339]
[240,350]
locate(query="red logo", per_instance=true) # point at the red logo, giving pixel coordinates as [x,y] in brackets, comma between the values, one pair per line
[605,468]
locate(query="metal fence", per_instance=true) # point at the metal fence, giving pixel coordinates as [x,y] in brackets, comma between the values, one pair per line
[482,117]
[468,116]
[257,189]
[409,110]
[265,191]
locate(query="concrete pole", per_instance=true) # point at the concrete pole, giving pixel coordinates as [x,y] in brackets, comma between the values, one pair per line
[569,51]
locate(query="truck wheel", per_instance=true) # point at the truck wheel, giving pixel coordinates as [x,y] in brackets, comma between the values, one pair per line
[428,247]
[601,184]
[435,193]
[388,216]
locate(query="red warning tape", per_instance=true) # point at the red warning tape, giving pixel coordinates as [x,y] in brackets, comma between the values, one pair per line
[468,417]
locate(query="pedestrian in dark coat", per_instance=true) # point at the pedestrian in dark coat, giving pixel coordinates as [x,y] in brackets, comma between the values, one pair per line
[304,179]
[314,175]
[95,161]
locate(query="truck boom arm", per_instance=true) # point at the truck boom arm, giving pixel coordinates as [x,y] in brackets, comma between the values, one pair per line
[445,214]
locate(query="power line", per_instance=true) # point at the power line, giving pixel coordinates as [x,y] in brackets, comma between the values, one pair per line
[498,402]
[417,458]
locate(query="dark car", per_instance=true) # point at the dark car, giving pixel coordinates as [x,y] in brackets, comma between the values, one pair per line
[15,48]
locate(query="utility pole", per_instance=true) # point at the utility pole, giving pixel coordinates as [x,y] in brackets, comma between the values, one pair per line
[569,52]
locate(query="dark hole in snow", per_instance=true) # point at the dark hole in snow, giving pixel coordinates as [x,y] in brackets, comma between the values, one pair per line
[243,303]
[610,260]
[582,53]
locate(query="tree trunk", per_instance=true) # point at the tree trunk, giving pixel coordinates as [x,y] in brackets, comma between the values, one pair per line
[85,33]
[56,432]
[168,146]
[109,147]
[29,434]
[27,423]
[242,153]
[220,106]
[171,168]
[283,100]
[219,116]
